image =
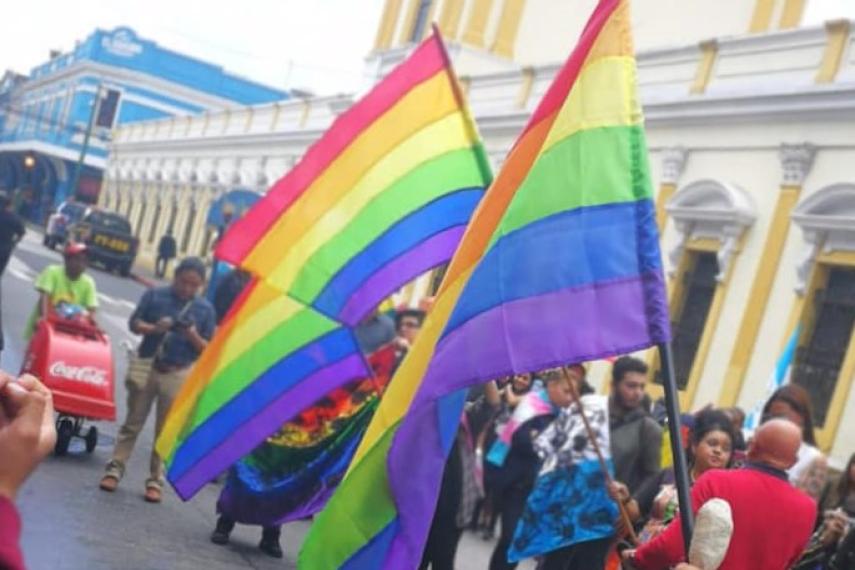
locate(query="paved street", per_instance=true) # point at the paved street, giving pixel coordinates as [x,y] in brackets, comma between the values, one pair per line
[70,524]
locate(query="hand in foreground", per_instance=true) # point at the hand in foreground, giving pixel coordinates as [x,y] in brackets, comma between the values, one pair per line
[684,566]
[27,431]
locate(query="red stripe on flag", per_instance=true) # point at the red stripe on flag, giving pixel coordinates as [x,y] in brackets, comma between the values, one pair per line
[560,88]
[245,233]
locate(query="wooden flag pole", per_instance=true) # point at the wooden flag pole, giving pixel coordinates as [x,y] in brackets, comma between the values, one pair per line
[592,437]
[681,472]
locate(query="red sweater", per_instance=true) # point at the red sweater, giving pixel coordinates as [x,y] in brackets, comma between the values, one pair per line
[10,536]
[772,522]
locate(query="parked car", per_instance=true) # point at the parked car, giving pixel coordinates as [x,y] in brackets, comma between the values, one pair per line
[109,239]
[68,214]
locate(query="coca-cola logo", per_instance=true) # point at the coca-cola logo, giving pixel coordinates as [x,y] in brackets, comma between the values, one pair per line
[87,374]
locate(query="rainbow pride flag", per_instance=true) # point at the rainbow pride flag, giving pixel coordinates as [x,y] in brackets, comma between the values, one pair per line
[385,195]
[559,264]
[382,197]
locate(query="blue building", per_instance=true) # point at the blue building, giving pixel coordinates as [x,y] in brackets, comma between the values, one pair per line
[110,79]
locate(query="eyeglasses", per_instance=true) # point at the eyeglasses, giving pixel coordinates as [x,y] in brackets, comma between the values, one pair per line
[409,325]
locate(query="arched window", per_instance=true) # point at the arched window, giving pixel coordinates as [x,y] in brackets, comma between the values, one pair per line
[825,308]
[711,217]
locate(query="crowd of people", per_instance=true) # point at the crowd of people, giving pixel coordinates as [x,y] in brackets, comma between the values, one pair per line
[787,512]
[785,508]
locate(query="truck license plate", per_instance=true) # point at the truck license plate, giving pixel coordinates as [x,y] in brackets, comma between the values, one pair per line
[112,243]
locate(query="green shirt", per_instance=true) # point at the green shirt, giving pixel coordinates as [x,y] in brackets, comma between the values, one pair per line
[54,281]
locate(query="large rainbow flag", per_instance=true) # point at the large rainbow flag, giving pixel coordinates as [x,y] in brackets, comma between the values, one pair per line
[382,197]
[560,263]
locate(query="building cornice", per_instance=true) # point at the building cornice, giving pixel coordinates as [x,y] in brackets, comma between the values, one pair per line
[137,79]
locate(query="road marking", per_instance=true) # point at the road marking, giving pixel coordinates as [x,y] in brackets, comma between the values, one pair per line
[21,270]
[19,274]
[118,302]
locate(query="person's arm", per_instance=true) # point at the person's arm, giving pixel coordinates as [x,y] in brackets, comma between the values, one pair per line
[512,399]
[492,395]
[138,324]
[44,304]
[192,334]
[201,334]
[667,550]
[45,285]
[91,300]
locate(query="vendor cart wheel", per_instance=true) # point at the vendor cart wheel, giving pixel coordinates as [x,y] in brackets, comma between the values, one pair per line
[91,439]
[64,432]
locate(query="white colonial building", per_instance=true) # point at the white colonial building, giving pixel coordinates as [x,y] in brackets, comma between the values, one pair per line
[751,129]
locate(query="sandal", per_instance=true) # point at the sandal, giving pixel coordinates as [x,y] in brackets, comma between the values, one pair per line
[109,483]
[153,495]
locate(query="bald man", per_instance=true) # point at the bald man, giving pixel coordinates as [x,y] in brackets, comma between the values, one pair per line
[772,521]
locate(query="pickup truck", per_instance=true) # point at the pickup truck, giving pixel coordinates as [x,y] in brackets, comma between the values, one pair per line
[109,239]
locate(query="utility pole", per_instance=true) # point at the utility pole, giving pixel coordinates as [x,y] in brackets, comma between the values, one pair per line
[96,104]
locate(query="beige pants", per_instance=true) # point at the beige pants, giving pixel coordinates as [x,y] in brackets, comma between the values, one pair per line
[159,388]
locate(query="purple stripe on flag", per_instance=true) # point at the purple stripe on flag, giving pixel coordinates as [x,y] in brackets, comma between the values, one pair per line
[428,254]
[572,325]
[253,432]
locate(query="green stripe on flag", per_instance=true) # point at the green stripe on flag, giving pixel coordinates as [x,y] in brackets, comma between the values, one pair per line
[302,328]
[360,509]
[430,180]
[589,168]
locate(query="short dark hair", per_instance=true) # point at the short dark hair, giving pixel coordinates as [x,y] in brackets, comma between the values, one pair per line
[707,421]
[418,314]
[626,364]
[191,264]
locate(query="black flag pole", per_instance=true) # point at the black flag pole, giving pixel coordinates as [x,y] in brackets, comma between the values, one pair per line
[681,472]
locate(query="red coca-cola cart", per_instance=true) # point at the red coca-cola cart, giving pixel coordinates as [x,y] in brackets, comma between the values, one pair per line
[74,360]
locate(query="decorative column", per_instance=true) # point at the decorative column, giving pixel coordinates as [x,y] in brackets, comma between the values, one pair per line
[796,163]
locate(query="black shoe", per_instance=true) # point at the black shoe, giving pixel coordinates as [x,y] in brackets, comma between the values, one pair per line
[223,530]
[271,548]
[270,543]
[219,537]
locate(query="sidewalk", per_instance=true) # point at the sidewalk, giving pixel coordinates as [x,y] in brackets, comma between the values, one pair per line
[144,275]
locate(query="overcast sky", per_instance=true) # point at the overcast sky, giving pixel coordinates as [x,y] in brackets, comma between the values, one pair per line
[818,11]
[314,44]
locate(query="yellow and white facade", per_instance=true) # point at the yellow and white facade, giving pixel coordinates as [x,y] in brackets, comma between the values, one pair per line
[751,128]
